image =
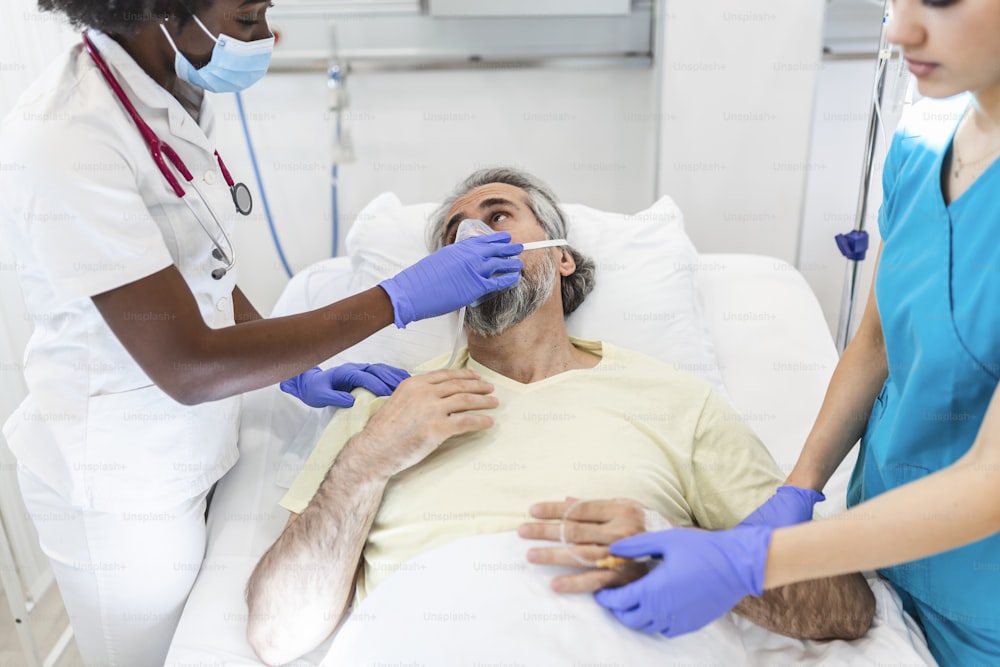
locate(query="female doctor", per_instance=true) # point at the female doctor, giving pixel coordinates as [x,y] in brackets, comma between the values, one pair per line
[918,385]
[119,208]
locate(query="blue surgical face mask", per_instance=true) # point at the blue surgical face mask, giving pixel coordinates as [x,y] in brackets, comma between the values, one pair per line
[235,65]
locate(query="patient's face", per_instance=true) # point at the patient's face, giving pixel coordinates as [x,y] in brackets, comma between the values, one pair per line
[505,209]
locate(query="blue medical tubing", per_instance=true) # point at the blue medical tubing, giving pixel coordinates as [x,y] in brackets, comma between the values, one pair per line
[260,186]
[337,103]
[853,245]
[333,208]
[334,185]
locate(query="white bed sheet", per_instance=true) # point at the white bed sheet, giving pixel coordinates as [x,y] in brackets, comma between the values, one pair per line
[476,601]
[776,356]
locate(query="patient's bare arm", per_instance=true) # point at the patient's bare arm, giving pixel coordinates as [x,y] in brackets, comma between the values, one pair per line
[301,588]
[833,608]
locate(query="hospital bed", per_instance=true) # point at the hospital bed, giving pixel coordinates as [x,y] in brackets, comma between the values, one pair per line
[747,324]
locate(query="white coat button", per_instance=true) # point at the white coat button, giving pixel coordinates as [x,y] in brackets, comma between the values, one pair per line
[210,177]
[222,305]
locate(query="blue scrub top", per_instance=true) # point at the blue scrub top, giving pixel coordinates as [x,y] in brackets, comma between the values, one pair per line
[938,295]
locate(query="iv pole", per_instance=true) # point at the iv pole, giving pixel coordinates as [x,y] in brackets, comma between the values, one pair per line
[854,244]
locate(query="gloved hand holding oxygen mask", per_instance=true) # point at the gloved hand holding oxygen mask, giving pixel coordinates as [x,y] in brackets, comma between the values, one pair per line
[453,277]
[470,228]
[436,285]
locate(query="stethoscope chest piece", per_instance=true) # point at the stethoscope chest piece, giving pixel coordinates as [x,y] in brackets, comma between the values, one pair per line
[242,198]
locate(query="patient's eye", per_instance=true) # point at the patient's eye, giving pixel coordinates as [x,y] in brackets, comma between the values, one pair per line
[499,216]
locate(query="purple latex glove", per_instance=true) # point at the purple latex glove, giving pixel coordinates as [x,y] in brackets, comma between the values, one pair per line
[788,506]
[703,575]
[454,276]
[318,388]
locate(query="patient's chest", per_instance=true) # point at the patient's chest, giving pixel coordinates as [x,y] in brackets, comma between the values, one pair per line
[569,439]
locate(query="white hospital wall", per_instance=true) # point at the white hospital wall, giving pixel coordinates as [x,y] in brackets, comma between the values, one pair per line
[738,82]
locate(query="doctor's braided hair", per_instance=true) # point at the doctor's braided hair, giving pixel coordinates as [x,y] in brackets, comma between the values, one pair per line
[542,202]
[122,17]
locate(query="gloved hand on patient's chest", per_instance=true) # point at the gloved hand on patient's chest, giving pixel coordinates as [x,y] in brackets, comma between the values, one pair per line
[319,388]
[454,276]
[788,506]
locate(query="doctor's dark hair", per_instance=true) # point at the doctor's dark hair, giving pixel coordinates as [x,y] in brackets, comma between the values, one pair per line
[542,202]
[122,17]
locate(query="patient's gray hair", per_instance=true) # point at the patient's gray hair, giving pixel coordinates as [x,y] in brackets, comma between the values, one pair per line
[542,202]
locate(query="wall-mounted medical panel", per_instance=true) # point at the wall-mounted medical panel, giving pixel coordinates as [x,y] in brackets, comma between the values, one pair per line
[415,34]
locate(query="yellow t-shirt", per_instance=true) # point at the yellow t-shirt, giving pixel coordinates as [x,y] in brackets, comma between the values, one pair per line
[630,427]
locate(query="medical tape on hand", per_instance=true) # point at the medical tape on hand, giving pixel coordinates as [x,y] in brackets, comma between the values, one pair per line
[654,522]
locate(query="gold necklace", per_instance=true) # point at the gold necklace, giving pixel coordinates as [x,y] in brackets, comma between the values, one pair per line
[960,163]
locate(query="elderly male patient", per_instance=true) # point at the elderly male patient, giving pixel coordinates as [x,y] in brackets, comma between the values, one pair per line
[526,412]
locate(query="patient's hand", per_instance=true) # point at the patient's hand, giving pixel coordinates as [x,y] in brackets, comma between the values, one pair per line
[423,412]
[591,526]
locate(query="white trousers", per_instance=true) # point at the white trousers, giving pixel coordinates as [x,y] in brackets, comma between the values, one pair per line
[124,576]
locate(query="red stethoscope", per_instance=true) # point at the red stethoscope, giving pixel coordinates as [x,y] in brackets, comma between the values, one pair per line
[158,148]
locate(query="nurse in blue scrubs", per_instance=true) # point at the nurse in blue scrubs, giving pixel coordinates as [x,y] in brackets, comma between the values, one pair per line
[917,385]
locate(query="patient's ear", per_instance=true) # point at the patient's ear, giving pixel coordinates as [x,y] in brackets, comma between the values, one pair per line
[567,265]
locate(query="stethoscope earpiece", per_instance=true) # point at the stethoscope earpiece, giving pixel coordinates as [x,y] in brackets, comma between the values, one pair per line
[219,255]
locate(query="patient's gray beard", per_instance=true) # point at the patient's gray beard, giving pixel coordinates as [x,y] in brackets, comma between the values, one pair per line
[514,305]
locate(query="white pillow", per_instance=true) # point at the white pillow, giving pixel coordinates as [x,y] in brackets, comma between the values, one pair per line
[645,298]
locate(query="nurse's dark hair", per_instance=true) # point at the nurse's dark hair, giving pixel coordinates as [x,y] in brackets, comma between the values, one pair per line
[542,202]
[122,17]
